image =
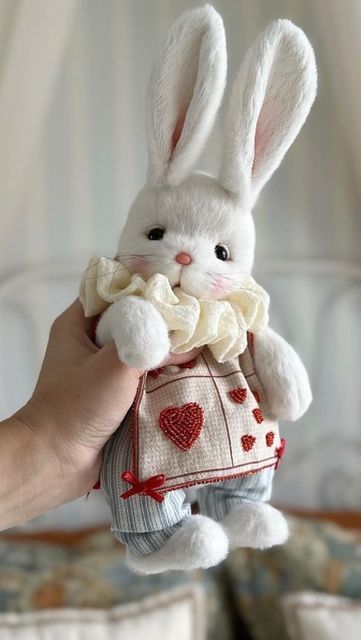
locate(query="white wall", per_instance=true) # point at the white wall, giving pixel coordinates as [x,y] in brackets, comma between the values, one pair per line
[85,168]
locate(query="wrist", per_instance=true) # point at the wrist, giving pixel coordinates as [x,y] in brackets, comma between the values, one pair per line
[34,477]
[54,437]
[38,424]
[55,433]
[28,477]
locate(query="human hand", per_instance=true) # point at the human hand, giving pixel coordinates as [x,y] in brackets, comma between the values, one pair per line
[82,395]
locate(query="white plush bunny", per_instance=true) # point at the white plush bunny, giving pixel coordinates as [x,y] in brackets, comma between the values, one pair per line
[197,230]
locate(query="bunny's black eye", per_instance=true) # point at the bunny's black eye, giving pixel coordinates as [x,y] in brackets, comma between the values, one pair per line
[222,252]
[155,234]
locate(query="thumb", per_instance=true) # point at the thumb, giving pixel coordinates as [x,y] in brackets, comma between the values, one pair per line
[111,388]
[117,375]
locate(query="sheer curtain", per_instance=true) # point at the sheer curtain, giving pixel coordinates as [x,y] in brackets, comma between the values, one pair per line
[33,39]
[340,33]
[73,76]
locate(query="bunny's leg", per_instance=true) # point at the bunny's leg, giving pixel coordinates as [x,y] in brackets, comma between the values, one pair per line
[159,535]
[240,506]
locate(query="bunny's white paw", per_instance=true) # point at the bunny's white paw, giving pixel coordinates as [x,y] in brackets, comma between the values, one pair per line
[256,525]
[198,543]
[138,330]
[282,375]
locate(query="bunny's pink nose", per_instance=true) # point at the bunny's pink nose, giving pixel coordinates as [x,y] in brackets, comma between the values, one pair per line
[183,258]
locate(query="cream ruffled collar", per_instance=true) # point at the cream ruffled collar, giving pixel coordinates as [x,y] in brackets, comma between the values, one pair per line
[192,322]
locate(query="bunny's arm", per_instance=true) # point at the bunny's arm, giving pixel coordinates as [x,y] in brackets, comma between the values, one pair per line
[282,375]
[138,330]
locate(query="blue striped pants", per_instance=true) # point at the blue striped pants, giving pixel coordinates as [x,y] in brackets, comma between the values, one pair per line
[144,524]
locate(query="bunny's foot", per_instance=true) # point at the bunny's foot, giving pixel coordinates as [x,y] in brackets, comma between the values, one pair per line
[255,524]
[199,543]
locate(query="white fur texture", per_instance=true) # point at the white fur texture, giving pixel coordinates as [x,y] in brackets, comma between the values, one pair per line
[199,544]
[255,525]
[272,95]
[282,375]
[196,215]
[270,100]
[184,94]
[138,330]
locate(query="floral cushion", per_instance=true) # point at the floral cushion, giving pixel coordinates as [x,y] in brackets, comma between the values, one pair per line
[180,611]
[323,616]
[319,557]
[92,574]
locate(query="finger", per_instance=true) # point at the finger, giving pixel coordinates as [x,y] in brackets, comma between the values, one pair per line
[119,381]
[74,317]
[182,358]
[107,358]
[74,330]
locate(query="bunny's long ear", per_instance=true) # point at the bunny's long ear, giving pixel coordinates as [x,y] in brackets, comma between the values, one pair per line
[271,98]
[184,94]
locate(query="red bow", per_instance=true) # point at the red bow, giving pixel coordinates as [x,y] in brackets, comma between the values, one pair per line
[145,488]
[280,451]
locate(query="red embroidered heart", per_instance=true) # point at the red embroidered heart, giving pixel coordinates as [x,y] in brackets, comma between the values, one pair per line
[258,415]
[155,373]
[248,442]
[238,395]
[270,436]
[182,425]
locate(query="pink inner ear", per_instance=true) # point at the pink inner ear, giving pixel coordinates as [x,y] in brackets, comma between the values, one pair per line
[178,129]
[263,134]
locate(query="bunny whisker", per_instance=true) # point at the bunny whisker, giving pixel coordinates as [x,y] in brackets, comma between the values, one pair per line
[134,254]
[233,280]
[229,276]
[218,283]
[95,264]
[119,267]
[108,273]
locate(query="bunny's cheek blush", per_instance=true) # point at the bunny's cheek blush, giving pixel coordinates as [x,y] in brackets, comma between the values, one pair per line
[137,265]
[220,288]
